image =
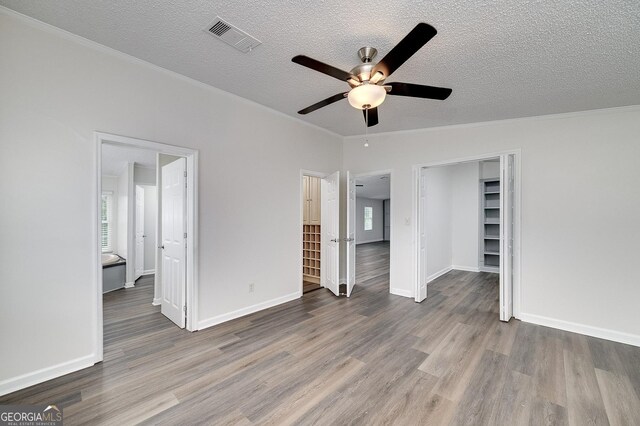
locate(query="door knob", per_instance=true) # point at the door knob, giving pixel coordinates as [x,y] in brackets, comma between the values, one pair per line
[335,240]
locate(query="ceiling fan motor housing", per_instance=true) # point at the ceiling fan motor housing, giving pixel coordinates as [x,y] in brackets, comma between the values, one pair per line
[366,54]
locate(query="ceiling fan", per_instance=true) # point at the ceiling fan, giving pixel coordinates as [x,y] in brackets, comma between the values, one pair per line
[368,90]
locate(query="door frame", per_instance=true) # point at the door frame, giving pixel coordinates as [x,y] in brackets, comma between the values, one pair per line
[191,156]
[416,214]
[320,175]
[391,231]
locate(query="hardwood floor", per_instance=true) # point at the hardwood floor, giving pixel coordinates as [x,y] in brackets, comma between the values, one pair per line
[372,359]
[308,286]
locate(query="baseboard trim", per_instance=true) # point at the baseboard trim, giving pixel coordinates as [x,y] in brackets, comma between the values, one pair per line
[29,379]
[130,284]
[156,302]
[149,272]
[466,268]
[438,274]
[401,292]
[602,333]
[219,319]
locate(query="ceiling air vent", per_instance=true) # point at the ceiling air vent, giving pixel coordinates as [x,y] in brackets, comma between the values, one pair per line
[232,35]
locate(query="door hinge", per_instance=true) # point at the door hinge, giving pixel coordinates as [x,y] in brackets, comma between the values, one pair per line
[185,174]
[185,235]
[184,308]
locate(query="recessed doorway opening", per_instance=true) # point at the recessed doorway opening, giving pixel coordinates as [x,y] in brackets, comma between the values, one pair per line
[372,231]
[146,232]
[467,219]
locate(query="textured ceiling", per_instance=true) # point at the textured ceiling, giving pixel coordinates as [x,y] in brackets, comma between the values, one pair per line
[502,58]
[115,159]
[376,187]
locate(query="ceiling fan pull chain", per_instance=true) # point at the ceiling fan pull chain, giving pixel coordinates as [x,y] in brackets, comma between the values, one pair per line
[366,128]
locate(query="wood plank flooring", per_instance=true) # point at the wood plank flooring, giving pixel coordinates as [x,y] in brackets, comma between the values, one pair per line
[372,359]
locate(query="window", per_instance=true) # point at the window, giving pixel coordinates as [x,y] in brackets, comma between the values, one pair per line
[106,230]
[368,218]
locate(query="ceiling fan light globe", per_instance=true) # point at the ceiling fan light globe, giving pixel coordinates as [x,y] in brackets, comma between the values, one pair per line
[367,96]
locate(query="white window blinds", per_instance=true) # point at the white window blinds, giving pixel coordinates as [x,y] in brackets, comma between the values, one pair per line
[106,231]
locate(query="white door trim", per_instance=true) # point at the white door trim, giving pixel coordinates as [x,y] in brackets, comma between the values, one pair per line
[392,289]
[516,293]
[192,228]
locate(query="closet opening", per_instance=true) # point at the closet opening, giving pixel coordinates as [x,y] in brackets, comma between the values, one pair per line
[311,232]
[468,231]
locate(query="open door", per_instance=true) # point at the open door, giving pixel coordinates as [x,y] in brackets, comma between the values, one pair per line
[506,236]
[174,251]
[139,230]
[330,228]
[421,294]
[351,233]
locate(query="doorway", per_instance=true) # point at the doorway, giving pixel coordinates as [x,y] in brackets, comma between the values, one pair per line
[319,232]
[372,231]
[467,219]
[147,225]
[311,233]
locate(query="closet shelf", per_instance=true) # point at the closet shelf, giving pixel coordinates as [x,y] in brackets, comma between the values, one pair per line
[490,212]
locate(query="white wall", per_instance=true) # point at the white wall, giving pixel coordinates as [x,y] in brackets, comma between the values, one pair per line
[580,209]
[57,90]
[122,215]
[150,212]
[465,215]
[144,175]
[110,183]
[490,169]
[375,234]
[438,220]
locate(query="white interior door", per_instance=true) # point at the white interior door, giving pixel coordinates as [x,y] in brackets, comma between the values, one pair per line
[330,228]
[506,236]
[174,251]
[351,233]
[421,292]
[139,230]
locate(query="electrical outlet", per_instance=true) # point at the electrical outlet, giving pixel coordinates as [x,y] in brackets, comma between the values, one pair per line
[252,287]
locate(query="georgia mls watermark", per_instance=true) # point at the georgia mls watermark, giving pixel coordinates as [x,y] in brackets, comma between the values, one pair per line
[30,415]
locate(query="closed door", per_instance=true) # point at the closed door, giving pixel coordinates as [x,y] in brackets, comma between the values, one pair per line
[330,230]
[139,232]
[173,247]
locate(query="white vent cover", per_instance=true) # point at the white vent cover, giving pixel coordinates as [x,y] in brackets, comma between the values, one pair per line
[232,35]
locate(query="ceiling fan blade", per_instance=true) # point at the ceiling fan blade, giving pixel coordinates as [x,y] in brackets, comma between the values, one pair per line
[308,62]
[323,103]
[373,116]
[419,91]
[417,37]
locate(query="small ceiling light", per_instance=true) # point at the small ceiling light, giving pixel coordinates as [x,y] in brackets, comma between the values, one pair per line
[367,96]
